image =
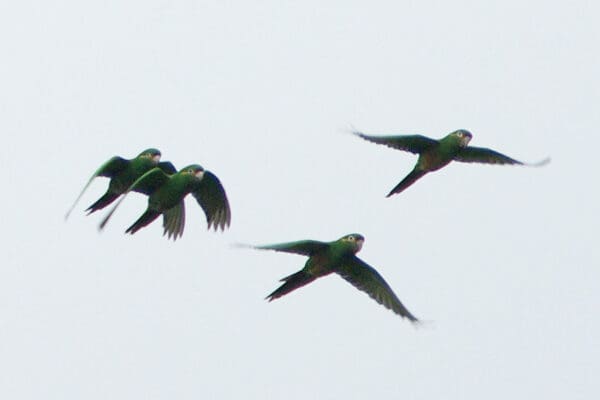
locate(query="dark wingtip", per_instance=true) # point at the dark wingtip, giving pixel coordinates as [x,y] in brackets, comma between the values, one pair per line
[132,229]
[171,235]
[220,221]
[394,191]
[91,209]
[274,295]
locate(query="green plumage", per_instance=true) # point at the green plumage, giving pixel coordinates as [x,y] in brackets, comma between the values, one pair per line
[436,154]
[122,174]
[166,194]
[338,256]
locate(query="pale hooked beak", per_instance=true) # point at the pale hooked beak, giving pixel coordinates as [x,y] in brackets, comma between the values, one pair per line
[199,174]
[156,158]
[359,243]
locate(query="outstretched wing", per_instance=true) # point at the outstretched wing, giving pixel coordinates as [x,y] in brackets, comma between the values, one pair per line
[108,169]
[145,184]
[211,196]
[303,247]
[483,155]
[366,278]
[174,221]
[413,143]
[149,182]
[112,167]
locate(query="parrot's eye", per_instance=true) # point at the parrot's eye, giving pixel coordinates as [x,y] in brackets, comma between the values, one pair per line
[351,238]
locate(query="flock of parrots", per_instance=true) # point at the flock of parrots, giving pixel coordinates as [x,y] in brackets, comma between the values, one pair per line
[167,188]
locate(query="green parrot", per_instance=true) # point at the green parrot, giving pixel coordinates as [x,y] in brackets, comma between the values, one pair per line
[435,154]
[338,256]
[166,195]
[122,174]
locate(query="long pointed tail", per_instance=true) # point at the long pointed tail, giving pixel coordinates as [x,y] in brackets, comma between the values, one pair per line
[411,178]
[79,197]
[145,219]
[102,202]
[292,283]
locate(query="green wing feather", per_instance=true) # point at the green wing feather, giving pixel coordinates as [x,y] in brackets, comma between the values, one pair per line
[146,184]
[149,182]
[211,196]
[108,169]
[167,167]
[413,143]
[174,221]
[112,167]
[484,155]
[303,247]
[366,278]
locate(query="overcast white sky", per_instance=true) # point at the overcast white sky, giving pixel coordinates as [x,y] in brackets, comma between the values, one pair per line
[503,261]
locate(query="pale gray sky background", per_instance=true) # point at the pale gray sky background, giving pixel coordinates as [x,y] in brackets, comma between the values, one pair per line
[503,261]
